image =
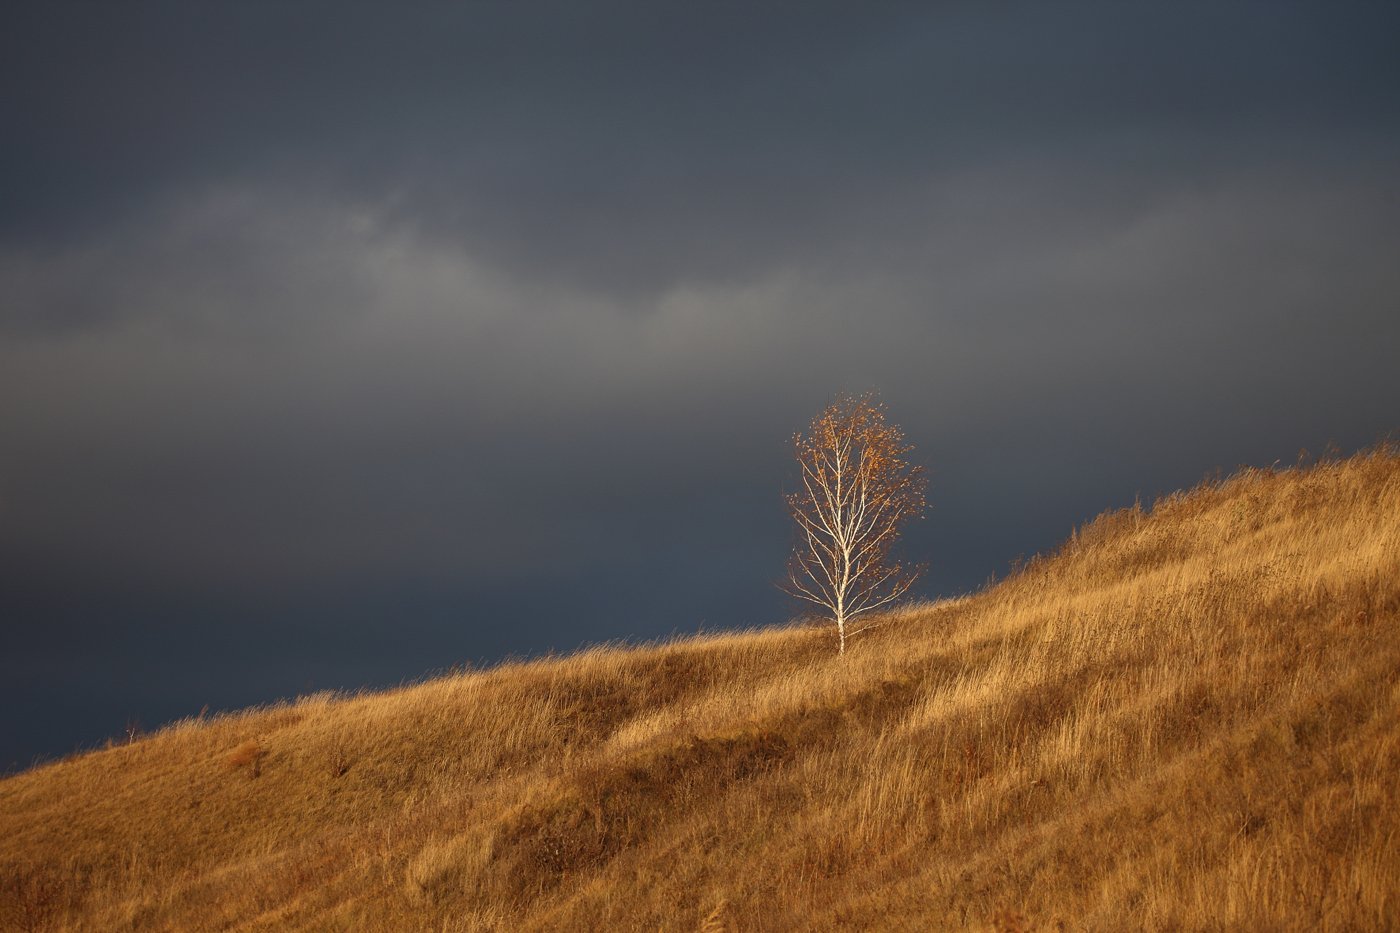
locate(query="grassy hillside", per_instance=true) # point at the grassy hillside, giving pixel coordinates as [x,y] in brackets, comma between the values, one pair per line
[1185,718]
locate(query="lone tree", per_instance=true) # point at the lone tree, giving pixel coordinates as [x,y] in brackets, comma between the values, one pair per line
[857,492]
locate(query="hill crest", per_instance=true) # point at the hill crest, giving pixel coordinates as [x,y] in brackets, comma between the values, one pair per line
[1185,717]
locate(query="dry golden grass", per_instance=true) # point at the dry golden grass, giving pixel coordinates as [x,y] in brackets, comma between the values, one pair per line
[1188,719]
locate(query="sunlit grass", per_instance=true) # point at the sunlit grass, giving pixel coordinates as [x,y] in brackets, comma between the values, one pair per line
[1186,718]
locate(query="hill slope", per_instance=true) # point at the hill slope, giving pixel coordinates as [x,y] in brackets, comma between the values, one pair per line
[1183,718]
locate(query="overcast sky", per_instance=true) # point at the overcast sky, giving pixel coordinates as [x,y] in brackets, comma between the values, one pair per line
[344,342]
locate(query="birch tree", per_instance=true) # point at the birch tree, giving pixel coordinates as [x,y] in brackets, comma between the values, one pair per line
[857,491]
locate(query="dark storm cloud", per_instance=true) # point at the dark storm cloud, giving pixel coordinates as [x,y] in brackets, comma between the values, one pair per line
[339,343]
[628,147]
